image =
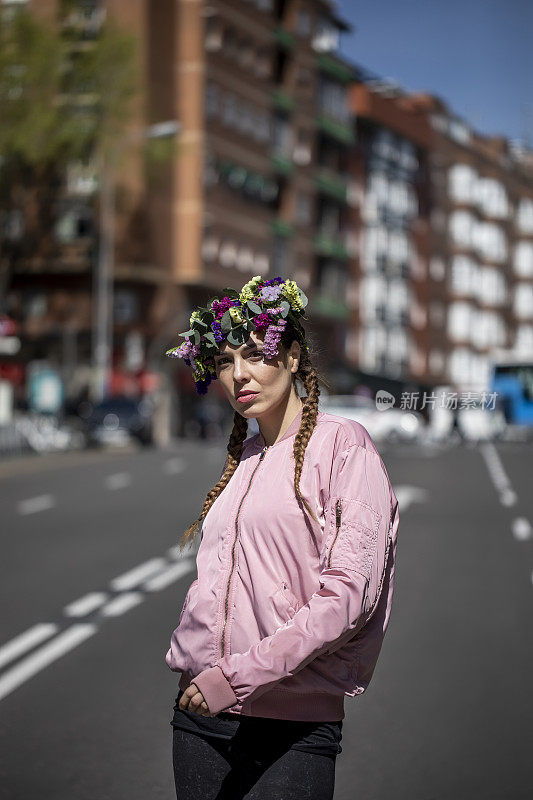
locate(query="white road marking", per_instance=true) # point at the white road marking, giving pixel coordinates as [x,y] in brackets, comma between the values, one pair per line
[498,475]
[34,504]
[86,604]
[174,466]
[521,528]
[137,575]
[40,659]
[25,641]
[118,481]
[407,495]
[168,576]
[119,605]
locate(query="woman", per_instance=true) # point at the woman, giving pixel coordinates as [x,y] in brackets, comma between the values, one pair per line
[295,565]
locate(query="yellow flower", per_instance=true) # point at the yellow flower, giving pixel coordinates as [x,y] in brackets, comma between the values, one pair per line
[248,290]
[194,315]
[290,291]
[235,314]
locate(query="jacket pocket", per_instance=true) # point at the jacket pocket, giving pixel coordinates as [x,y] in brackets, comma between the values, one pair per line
[355,535]
[186,602]
[284,602]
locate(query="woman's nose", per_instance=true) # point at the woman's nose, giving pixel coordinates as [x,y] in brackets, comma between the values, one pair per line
[240,369]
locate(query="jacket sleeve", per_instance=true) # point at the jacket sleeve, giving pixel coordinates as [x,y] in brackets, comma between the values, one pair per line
[352,561]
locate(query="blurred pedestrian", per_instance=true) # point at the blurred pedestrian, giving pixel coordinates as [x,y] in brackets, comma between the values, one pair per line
[295,565]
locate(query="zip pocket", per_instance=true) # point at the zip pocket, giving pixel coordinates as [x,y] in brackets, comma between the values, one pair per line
[354,543]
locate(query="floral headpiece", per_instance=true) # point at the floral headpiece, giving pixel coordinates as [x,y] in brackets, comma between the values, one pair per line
[260,305]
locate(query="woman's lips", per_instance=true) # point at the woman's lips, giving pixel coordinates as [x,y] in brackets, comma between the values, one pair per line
[245,398]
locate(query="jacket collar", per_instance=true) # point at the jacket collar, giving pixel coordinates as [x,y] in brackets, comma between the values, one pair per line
[291,430]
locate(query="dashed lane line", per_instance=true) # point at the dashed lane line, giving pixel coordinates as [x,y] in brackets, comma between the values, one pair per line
[521,528]
[407,495]
[137,575]
[498,475]
[122,603]
[24,641]
[119,480]
[35,504]
[76,633]
[86,604]
[44,656]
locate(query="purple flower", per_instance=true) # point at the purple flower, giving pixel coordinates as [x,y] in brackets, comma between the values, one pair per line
[272,339]
[262,321]
[270,293]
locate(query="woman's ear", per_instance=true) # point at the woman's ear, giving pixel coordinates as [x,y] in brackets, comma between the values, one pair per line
[295,356]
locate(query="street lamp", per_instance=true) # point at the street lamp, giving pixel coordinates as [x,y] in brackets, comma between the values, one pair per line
[102,349]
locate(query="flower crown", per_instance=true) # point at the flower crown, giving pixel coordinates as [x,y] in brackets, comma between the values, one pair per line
[260,305]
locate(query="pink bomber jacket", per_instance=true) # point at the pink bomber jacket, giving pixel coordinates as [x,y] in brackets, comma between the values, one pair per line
[287,615]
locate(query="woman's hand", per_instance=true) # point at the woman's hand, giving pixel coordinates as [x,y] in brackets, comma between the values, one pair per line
[193,700]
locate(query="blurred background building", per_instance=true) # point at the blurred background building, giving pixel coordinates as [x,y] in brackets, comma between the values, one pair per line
[411,233]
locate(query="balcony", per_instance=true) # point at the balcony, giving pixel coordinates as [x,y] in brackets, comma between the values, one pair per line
[331,246]
[332,185]
[326,305]
[340,131]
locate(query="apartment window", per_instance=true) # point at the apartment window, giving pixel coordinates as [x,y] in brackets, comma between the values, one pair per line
[73,222]
[302,211]
[492,288]
[437,269]
[303,22]
[490,241]
[462,183]
[460,365]
[262,126]
[492,197]
[302,153]
[524,338]
[213,34]
[463,275]
[524,217]
[262,66]
[281,135]
[230,110]
[462,228]
[330,220]
[212,99]
[231,43]
[326,38]
[523,300]
[332,98]
[333,279]
[523,259]
[459,320]
[280,255]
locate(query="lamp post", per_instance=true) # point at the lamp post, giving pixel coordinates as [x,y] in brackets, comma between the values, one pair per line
[103,293]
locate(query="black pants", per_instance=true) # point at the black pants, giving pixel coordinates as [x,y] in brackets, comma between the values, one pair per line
[208,768]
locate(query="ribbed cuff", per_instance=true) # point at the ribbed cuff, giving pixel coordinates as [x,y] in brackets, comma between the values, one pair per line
[215,688]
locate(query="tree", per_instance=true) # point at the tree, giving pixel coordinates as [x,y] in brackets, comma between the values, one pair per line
[63,98]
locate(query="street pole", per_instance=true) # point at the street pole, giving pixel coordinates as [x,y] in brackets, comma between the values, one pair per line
[103,291]
[103,280]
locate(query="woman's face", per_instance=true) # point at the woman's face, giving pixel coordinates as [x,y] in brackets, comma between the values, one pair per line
[245,369]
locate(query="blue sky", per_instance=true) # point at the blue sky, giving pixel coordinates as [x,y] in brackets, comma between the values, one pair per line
[475,54]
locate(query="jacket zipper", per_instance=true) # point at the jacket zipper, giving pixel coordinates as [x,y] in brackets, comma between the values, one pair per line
[222,643]
[338,512]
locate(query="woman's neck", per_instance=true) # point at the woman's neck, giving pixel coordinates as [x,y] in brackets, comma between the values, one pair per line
[273,426]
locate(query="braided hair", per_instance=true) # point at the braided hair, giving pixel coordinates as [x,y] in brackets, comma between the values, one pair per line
[309,377]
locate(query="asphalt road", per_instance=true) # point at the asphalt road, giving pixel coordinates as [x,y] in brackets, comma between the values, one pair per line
[91,587]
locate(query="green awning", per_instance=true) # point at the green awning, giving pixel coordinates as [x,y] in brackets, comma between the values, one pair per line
[327,246]
[330,306]
[342,72]
[281,164]
[337,130]
[282,228]
[282,100]
[335,187]
[284,38]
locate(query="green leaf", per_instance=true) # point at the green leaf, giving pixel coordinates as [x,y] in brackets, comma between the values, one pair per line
[303,297]
[237,335]
[226,322]
[286,306]
[210,339]
[253,307]
[196,337]
[186,333]
[230,292]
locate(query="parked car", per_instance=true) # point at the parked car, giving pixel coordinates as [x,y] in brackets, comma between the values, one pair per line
[390,425]
[118,420]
